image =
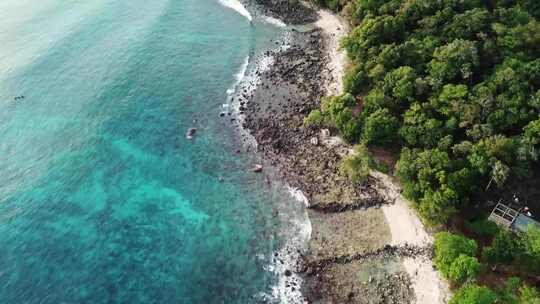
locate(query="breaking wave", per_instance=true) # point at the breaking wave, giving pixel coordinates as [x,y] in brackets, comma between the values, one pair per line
[238,7]
[239,76]
[273,21]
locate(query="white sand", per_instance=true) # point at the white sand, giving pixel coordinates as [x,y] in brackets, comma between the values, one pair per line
[406,228]
[335,29]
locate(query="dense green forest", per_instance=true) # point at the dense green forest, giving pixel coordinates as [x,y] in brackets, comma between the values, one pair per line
[455,84]
[456,257]
[454,87]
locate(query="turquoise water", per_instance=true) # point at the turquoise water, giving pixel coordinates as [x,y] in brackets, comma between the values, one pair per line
[102,198]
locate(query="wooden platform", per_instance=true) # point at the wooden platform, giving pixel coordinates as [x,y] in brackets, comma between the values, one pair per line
[503,215]
[511,219]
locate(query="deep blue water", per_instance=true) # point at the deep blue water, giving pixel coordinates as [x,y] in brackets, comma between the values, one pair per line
[102,198]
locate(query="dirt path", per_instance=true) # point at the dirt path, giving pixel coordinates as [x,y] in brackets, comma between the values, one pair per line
[336,28]
[406,228]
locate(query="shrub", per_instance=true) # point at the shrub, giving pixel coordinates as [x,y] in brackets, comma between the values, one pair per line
[429,179]
[463,268]
[438,206]
[354,79]
[315,118]
[450,248]
[380,128]
[356,165]
[528,295]
[503,249]
[483,227]
[530,243]
[339,113]
[508,295]
[473,294]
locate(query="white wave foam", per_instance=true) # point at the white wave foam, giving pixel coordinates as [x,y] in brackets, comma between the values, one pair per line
[298,195]
[287,289]
[305,227]
[273,21]
[237,6]
[297,227]
[262,63]
[285,264]
[239,76]
[287,259]
[249,79]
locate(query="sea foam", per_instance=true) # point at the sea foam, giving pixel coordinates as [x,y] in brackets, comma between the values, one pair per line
[273,21]
[239,76]
[299,195]
[297,228]
[288,258]
[238,7]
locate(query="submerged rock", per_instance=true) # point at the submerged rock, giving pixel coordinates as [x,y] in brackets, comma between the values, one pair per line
[258,168]
[191,133]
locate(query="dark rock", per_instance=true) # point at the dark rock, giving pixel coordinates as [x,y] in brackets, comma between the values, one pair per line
[257,168]
[191,133]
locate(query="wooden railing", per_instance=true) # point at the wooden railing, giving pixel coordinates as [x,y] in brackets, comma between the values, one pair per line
[503,215]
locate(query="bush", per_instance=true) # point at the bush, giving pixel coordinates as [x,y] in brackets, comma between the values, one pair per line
[339,113]
[483,227]
[315,118]
[530,243]
[429,179]
[380,128]
[451,252]
[354,79]
[438,206]
[473,294]
[356,165]
[528,295]
[517,293]
[503,249]
[463,268]
[508,295]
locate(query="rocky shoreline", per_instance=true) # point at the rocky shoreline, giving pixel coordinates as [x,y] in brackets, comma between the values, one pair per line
[349,257]
[289,11]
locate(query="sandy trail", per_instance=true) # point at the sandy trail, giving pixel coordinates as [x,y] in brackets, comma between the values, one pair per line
[406,228]
[335,28]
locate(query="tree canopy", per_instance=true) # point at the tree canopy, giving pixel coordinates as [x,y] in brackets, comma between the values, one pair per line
[474,294]
[455,84]
[454,257]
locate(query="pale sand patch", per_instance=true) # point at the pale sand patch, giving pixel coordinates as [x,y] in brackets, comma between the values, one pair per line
[406,227]
[335,29]
[428,286]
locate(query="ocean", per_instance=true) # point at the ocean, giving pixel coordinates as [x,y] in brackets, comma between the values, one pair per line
[103,199]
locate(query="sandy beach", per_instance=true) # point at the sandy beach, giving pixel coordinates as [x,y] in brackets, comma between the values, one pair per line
[406,228]
[335,28]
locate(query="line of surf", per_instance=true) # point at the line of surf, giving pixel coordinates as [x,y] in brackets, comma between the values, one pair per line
[239,76]
[238,7]
[296,227]
[273,21]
